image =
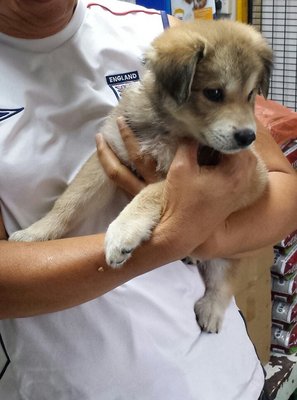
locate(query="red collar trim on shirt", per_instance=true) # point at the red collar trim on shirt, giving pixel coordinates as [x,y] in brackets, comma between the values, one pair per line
[123,12]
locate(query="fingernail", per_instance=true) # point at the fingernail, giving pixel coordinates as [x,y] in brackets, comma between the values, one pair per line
[121,122]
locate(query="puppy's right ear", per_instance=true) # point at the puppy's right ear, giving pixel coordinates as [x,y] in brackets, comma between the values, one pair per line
[267,60]
[173,59]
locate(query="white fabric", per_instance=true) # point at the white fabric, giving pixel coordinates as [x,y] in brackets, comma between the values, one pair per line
[141,340]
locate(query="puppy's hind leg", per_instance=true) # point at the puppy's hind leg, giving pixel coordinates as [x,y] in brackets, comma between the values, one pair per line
[90,181]
[210,309]
[133,225]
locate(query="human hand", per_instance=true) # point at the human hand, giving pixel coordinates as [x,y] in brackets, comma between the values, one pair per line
[118,172]
[199,199]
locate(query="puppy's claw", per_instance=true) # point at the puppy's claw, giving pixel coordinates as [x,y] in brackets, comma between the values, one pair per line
[209,314]
[126,251]
[121,239]
[116,263]
[115,256]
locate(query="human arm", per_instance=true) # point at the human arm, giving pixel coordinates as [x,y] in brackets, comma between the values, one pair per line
[267,221]
[264,223]
[37,278]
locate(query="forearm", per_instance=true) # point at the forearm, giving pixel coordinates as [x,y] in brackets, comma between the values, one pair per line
[264,223]
[43,277]
[38,278]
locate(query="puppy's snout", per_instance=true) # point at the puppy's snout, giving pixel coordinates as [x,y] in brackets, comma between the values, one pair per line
[244,137]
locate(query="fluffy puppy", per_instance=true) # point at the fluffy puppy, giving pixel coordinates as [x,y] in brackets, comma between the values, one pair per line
[200,82]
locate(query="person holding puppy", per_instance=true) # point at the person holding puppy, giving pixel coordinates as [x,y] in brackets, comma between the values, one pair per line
[72,328]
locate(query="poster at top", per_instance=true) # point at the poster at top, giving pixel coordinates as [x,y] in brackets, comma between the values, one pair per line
[191,9]
[182,9]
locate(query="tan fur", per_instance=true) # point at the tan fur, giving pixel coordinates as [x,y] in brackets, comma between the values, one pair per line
[183,64]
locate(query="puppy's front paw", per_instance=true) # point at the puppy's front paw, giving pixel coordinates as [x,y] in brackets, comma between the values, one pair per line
[122,238]
[209,313]
[26,235]
[44,229]
[47,228]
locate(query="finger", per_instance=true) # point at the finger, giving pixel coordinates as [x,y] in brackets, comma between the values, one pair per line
[115,170]
[128,137]
[144,164]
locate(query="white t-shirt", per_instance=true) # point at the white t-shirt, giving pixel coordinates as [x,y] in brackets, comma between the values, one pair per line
[141,340]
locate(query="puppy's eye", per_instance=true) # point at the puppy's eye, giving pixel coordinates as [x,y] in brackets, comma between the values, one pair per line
[215,95]
[251,95]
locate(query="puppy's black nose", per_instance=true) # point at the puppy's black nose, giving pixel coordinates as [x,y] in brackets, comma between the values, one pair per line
[244,137]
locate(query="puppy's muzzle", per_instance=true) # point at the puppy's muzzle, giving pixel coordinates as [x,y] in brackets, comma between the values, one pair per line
[244,137]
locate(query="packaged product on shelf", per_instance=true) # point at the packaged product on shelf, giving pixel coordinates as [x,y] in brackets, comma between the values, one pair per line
[284,339]
[287,241]
[286,298]
[284,312]
[285,263]
[284,288]
[290,151]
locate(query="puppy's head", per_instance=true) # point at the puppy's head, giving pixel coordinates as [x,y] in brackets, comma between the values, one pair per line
[207,74]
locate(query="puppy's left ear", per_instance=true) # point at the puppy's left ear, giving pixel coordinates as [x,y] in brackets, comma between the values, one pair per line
[267,60]
[173,59]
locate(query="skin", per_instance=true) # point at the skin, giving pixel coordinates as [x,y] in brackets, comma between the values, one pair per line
[34,19]
[244,232]
[270,219]
[37,278]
